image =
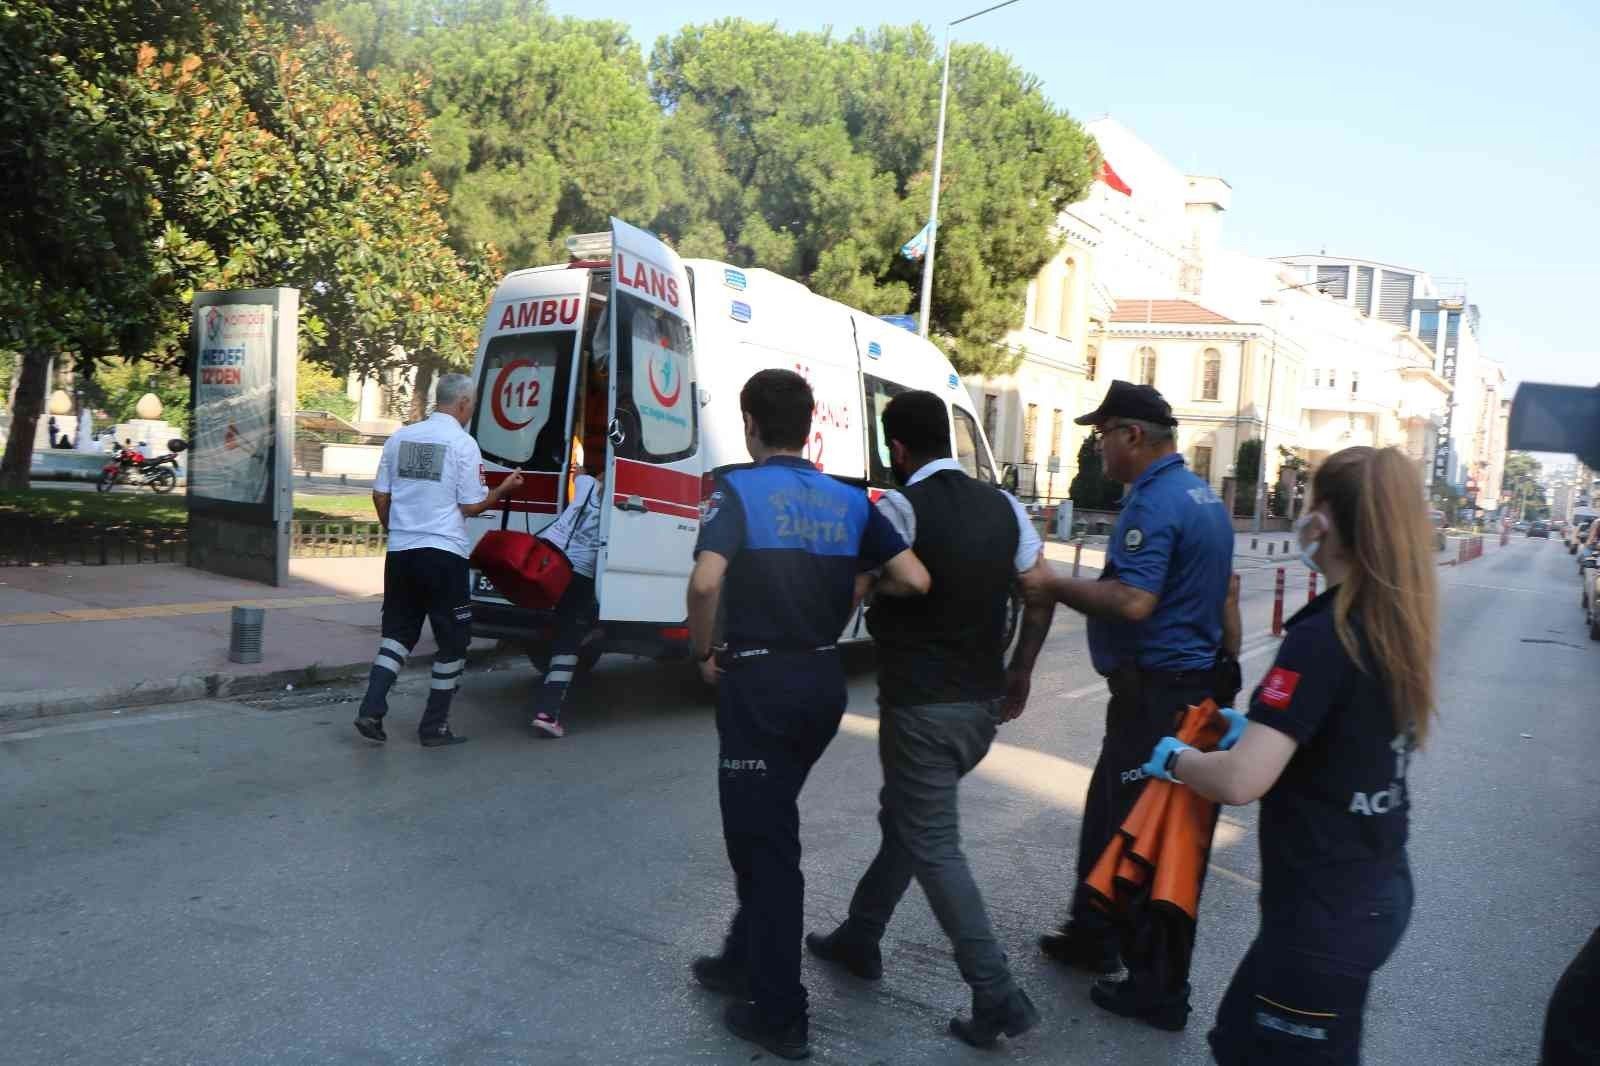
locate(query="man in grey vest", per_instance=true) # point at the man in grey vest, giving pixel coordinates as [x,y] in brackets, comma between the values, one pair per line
[943,689]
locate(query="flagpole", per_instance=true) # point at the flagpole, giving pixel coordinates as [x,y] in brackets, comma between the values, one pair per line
[938,170]
[933,211]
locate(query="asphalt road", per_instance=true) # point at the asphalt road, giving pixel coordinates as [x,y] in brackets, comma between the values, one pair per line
[252,883]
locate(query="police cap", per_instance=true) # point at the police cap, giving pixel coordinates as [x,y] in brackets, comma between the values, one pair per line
[1126,400]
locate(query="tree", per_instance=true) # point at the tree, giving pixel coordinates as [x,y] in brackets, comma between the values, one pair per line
[542,126]
[1247,475]
[234,151]
[1522,485]
[1090,488]
[116,385]
[811,156]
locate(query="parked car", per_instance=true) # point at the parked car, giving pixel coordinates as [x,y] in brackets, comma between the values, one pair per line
[1539,529]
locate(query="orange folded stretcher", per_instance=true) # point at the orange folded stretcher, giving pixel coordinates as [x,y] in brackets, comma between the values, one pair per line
[1150,875]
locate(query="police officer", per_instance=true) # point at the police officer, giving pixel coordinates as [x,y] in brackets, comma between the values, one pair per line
[430,480]
[1330,734]
[1155,633]
[787,543]
[943,690]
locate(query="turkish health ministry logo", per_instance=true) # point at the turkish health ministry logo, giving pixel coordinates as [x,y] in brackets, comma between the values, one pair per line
[665,382]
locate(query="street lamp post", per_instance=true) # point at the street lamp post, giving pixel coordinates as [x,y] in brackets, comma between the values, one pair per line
[938,169]
[1266,421]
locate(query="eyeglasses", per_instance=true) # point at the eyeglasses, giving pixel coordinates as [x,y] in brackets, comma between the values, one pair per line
[1097,435]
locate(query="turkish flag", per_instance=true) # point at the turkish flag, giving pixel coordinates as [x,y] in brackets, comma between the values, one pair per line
[1113,179]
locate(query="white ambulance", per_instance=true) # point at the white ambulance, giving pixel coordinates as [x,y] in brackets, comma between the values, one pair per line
[641,356]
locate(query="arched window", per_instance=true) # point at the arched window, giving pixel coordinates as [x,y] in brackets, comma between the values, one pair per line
[1091,362]
[1211,375]
[1147,366]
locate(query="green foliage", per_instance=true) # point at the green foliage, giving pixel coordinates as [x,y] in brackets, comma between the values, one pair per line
[1521,481]
[1247,476]
[812,156]
[1091,490]
[316,389]
[116,385]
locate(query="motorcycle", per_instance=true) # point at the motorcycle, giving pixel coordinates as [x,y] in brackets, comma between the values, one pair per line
[130,467]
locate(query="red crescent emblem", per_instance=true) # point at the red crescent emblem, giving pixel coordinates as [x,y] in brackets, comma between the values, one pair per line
[497,396]
[677,386]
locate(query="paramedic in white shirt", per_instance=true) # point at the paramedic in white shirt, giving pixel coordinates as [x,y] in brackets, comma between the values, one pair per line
[430,481]
[577,534]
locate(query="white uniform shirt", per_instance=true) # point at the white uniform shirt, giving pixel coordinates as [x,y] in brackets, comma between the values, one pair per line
[430,469]
[897,509]
[577,531]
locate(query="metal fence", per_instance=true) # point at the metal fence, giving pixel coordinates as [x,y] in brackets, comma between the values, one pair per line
[324,539]
[53,543]
[36,543]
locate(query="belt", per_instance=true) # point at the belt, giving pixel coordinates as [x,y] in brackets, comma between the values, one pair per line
[751,653]
[1169,678]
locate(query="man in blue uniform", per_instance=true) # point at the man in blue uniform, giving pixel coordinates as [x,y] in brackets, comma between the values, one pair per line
[788,543]
[1155,633]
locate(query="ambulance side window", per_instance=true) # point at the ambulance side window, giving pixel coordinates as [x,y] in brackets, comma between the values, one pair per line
[880,470]
[969,450]
[656,408]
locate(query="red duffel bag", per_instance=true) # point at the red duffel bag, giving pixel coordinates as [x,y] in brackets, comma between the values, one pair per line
[525,569]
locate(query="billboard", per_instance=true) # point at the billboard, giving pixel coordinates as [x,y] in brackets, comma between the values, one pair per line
[240,492]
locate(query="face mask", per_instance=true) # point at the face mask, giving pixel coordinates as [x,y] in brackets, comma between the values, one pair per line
[1308,549]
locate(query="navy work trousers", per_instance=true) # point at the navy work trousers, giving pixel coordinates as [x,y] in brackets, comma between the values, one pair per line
[418,584]
[1141,711]
[1298,997]
[776,714]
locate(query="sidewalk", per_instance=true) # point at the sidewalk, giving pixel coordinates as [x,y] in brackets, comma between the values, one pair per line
[80,638]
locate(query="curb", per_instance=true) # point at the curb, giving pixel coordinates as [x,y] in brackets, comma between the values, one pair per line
[22,706]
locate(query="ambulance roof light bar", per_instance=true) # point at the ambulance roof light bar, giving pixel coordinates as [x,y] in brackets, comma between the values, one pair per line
[589,245]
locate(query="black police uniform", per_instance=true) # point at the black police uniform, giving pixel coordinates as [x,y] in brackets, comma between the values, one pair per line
[1174,540]
[795,539]
[1336,888]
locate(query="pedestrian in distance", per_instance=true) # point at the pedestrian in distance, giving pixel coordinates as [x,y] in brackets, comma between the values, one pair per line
[1156,634]
[430,481]
[1326,749]
[780,549]
[943,691]
[577,535]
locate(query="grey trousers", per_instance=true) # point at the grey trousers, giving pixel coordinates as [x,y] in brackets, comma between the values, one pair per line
[925,751]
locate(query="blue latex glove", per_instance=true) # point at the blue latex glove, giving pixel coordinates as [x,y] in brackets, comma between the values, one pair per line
[1165,749]
[1236,724]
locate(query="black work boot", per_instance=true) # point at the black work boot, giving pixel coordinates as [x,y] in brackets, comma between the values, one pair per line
[1163,1010]
[721,974]
[1013,1018]
[440,738]
[856,954]
[1083,949]
[790,1041]
[371,728]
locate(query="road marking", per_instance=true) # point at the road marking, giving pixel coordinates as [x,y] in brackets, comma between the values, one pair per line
[1057,781]
[1498,588]
[167,610]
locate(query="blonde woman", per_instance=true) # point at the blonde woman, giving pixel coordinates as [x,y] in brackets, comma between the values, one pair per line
[1325,748]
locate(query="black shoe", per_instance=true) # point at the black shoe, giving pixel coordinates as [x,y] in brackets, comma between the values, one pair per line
[792,1041]
[1125,998]
[1075,947]
[860,957]
[443,738]
[1013,1017]
[371,728]
[721,974]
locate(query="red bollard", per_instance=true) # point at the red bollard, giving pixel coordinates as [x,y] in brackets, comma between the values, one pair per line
[1277,606]
[1077,558]
[1311,590]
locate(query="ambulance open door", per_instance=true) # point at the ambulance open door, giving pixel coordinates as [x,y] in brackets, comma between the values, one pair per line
[653,471]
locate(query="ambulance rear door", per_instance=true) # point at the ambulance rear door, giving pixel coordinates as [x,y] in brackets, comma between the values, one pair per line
[653,468]
[525,380]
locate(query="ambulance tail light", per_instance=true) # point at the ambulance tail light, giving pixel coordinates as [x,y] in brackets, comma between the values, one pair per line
[675,634]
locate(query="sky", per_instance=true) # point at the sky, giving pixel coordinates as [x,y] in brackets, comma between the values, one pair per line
[1456,138]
